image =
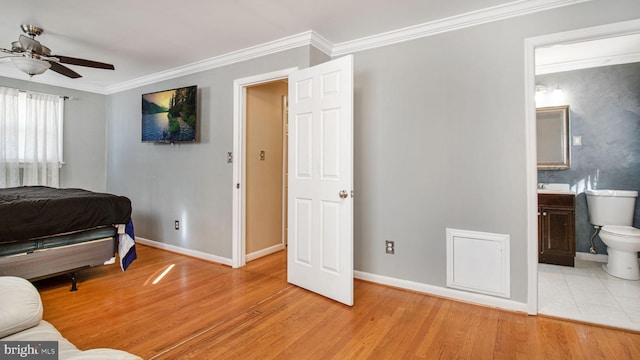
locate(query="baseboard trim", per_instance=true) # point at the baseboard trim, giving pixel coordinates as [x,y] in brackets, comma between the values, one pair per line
[184,251]
[478,299]
[602,258]
[264,252]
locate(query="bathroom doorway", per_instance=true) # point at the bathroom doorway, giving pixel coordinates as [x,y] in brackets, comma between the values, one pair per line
[584,292]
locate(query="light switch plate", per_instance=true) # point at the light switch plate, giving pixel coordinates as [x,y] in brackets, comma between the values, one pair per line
[577,141]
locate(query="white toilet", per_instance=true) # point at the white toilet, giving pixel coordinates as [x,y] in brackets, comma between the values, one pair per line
[613,211]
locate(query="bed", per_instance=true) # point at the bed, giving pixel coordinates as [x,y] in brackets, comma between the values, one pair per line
[47,231]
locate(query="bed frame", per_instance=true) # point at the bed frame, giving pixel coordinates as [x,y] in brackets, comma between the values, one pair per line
[59,255]
[47,231]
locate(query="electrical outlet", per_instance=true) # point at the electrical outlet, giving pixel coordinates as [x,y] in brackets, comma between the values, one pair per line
[390,246]
[177,225]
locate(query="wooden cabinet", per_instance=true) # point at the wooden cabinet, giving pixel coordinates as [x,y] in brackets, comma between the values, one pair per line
[556,229]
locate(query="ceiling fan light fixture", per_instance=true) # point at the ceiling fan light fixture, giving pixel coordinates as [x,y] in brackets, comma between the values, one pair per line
[33,58]
[31,66]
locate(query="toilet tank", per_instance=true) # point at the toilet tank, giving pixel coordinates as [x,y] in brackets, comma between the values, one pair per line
[611,207]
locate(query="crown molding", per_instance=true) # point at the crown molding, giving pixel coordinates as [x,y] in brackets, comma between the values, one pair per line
[290,42]
[496,13]
[310,37]
[322,44]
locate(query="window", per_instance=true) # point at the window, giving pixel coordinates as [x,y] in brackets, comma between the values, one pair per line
[29,127]
[31,132]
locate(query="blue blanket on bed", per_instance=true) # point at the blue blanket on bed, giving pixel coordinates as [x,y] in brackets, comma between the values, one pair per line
[127,246]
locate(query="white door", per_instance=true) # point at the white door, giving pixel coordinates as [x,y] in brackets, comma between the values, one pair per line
[320,255]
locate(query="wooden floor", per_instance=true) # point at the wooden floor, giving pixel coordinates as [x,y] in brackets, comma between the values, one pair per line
[201,310]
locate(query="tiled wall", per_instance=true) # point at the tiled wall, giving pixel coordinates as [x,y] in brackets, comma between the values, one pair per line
[605,111]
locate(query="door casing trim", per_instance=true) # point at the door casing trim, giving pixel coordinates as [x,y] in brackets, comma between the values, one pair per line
[238,246]
[530,44]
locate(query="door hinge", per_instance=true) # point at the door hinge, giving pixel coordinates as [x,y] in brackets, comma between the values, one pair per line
[237,185]
[229,157]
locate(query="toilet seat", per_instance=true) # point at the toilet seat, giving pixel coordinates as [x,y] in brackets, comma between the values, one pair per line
[621,231]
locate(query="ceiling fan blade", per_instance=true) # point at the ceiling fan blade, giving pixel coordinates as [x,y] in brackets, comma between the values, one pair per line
[6,51]
[63,70]
[84,62]
[29,44]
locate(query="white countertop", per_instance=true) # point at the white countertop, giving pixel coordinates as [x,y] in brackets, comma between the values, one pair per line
[555,188]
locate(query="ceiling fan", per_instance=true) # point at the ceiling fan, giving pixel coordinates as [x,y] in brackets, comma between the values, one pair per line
[33,58]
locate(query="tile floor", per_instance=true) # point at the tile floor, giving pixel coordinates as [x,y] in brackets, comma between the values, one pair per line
[586,293]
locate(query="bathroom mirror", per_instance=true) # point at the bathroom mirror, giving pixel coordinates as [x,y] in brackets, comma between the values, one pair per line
[552,125]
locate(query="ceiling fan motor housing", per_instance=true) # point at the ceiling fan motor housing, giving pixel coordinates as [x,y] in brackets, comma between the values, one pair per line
[31,30]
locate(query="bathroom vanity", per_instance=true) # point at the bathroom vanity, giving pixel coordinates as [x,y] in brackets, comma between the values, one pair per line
[556,229]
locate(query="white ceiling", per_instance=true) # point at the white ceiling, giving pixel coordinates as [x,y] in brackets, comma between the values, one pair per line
[143,37]
[146,37]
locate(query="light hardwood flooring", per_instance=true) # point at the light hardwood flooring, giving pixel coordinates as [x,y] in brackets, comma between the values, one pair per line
[202,310]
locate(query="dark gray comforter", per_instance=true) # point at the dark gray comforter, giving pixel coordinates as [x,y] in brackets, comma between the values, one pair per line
[37,211]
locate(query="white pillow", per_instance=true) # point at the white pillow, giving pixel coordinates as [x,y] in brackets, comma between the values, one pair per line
[20,305]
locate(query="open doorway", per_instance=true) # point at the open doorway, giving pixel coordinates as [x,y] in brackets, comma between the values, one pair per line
[265,168]
[320,176]
[594,307]
[241,156]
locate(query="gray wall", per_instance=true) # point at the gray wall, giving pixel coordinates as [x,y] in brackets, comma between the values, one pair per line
[439,142]
[190,182]
[438,146]
[317,57]
[84,135]
[605,110]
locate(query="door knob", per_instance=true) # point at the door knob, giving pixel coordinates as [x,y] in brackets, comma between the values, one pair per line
[343,194]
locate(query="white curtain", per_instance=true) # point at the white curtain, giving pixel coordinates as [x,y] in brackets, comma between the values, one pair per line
[9,148]
[35,135]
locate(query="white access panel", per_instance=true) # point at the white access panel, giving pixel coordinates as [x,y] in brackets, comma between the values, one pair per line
[479,262]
